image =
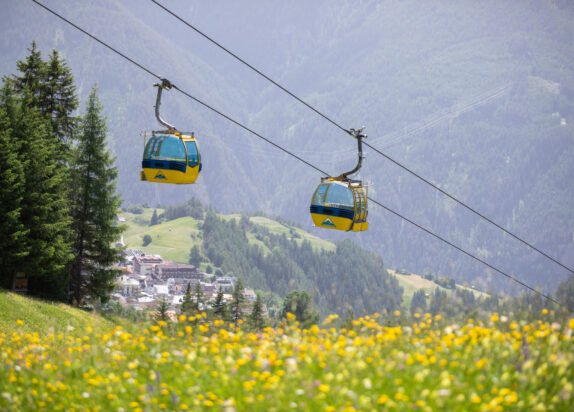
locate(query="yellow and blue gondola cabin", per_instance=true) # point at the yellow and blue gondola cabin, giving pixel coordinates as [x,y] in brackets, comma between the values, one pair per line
[171,158]
[340,205]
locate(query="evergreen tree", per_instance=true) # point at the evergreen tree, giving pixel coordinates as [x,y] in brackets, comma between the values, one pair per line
[45,90]
[438,302]
[59,100]
[299,304]
[198,297]
[237,302]
[419,302]
[195,258]
[146,240]
[45,211]
[256,320]
[14,245]
[565,293]
[31,81]
[219,305]
[162,311]
[95,206]
[154,219]
[49,87]
[187,304]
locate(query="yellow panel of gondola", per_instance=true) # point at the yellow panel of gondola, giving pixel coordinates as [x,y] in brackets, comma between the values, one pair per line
[170,176]
[332,222]
[360,227]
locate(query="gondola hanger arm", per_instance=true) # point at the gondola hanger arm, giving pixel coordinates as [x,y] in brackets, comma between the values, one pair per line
[359,135]
[165,84]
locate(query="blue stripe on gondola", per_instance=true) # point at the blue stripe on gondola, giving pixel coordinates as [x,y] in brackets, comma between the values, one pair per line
[163,164]
[332,211]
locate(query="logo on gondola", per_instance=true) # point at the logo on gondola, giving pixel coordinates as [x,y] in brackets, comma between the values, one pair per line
[159,175]
[327,222]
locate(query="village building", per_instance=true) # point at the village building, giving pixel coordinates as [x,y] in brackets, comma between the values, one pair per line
[128,286]
[226,283]
[177,271]
[250,295]
[160,290]
[145,264]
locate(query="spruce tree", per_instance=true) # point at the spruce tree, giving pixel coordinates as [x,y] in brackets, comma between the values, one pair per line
[162,311]
[418,302]
[438,302]
[50,89]
[565,293]
[219,305]
[30,100]
[237,301]
[58,99]
[32,78]
[95,206]
[256,320]
[154,219]
[45,211]
[198,297]
[300,304]
[195,256]
[14,246]
[187,303]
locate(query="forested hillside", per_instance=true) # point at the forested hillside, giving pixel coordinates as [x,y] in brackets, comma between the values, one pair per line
[476,97]
[278,259]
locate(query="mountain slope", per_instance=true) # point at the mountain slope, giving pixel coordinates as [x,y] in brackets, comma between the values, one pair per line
[478,98]
[278,257]
[270,256]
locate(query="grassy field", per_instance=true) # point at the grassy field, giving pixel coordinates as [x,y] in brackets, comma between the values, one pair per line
[172,240]
[40,316]
[497,365]
[282,229]
[412,283]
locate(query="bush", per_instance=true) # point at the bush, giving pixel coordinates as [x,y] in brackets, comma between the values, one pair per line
[136,210]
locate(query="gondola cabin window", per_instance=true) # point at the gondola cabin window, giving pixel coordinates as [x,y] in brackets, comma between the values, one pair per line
[164,147]
[192,153]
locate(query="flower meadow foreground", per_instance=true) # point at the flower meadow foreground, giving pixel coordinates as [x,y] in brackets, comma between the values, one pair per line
[195,365]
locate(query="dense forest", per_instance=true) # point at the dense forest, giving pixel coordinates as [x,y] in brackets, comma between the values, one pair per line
[478,98]
[58,203]
[349,278]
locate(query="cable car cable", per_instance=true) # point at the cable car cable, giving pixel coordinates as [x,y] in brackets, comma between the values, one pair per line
[304,161]
[466,253]
[469,207]
[293,95]
[333,122]
[98,40]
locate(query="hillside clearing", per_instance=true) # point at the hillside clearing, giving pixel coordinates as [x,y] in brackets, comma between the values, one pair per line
[39,316]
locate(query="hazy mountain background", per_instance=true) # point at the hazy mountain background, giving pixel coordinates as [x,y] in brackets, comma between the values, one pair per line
[478,97]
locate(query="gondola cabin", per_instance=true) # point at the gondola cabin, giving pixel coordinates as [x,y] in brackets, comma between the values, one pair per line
[171,158]
[340,205]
